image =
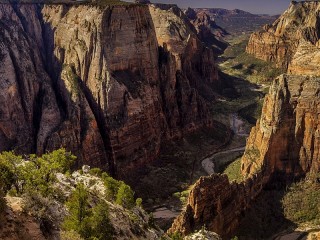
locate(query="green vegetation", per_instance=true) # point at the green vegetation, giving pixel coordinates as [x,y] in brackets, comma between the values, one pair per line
[176,236]
[125,196]
[89,222]
[233,171]
[301,202]
[37,180]
[35,174]
[183,196]
[243,65]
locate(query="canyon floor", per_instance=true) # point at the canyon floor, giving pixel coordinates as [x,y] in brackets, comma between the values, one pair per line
[165,184]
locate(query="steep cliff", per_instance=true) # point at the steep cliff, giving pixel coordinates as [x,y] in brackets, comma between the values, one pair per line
[217,204]
[286,139]
[285,143]
[283,146]
[207,30]
[107,83]
[286,37]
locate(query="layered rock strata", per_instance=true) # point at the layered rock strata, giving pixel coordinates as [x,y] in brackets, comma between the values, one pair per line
[107,83]
[207,30]
[286,37]
[285,143]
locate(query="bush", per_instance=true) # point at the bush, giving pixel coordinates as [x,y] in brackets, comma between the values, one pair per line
[139,202]
[112,187]
[89,222]
[96,172]
[34,173]
[101,224]
[79,212]
[47,211]
[125,196]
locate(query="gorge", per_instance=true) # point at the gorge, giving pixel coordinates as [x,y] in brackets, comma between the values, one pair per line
[140,90]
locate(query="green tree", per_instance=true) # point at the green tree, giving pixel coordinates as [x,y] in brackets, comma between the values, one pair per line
[125,196]
[100,222]
[79,212]
[6,180]
[139,202]
[36,173]
[112,187]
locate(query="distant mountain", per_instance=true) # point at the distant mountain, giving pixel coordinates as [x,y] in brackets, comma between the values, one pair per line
[207,30]
[237,21]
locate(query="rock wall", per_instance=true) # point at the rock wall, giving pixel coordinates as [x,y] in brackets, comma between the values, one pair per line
[217,204]
[280,41]
[207,30]
[285,143]
[107,83]
[286,139]
[283,146]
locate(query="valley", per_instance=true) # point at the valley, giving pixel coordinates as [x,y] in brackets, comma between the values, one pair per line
[147,121]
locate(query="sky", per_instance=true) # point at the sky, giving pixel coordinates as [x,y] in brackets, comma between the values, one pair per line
[254,6]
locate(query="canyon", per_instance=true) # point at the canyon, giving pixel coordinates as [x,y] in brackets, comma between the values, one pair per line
[117,85]
[107,83]
[284,144]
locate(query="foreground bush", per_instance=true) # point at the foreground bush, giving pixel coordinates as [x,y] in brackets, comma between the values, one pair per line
[90,222]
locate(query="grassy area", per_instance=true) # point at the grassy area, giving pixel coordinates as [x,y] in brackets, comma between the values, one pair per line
[243,65]
[301,202]
[233,171]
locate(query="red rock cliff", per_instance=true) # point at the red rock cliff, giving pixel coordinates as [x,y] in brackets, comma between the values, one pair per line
[106,83]
[279,42]
[285,143]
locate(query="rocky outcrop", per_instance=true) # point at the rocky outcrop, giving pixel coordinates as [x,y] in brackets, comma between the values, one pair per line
[217,204]
[287,36]
[285,143]
[283,146]
[207,30]
[286,139]
[107,83]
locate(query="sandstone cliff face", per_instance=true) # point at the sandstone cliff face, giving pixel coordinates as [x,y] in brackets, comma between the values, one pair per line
[286,139]
[207,30]
[28,108]
[216,203]
[286,37]
[94,80]
[285,143]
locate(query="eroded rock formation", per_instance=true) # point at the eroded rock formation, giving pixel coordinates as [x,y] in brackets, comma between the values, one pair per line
[107,83]
[286,37]
[207,30]
[285,143]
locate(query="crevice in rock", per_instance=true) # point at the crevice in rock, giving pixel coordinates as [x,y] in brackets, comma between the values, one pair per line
[102,125]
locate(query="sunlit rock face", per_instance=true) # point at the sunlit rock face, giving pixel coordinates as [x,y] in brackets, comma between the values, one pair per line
[288,36]
[107,83]
[285,143]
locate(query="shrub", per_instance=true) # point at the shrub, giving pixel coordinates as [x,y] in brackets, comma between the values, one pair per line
[89,222]
[112,187]
[139,202]
[96,172]
[125,196]
[34,173]
[101,224]
[79,212]
[46,210]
